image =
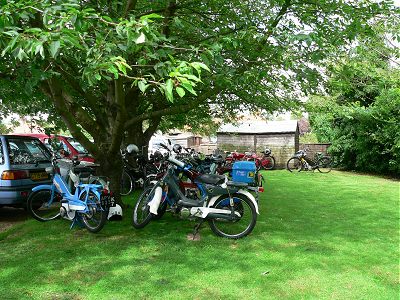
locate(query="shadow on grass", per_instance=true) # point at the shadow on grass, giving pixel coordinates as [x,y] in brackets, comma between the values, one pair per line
[314,233]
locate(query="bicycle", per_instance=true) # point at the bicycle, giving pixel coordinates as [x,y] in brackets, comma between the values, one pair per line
[87,205]
[301,162]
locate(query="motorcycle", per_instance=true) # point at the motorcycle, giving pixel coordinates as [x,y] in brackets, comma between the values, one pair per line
[230,209]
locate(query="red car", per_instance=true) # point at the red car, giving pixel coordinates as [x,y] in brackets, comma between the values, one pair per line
[69,146]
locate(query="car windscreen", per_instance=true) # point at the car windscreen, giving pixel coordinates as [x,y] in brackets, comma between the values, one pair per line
[78,147]
[27,151]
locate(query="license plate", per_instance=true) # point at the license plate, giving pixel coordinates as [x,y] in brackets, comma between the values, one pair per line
[107,201]
[39,176]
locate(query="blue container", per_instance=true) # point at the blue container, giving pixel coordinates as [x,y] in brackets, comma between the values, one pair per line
[244,171]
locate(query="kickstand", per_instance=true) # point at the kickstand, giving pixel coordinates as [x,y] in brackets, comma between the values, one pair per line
[197,228]
[76,222]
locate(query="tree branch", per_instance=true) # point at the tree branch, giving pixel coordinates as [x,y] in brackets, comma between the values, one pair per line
[130,4]
[53,89]
[278,18]
[91,99]
[118,128]
[173,110]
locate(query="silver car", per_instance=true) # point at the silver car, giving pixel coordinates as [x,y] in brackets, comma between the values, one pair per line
[23,161]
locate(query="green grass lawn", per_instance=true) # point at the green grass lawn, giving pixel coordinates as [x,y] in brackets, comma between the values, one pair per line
[317,236]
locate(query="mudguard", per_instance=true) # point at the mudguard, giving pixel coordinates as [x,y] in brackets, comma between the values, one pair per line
[243,192]
[43,187]
[155,202]
[94,188]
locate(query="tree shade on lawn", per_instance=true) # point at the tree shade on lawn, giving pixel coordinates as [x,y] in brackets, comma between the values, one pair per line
[317,236]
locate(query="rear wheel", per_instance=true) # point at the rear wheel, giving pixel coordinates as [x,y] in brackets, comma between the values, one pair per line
[294,164]
[43,205]
[324,165]
[268,163]
[126,184]
[141,212]
[96,217]
[242,224]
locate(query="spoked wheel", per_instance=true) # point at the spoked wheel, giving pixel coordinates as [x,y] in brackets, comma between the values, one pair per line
[324,165]
[141,213]
[43,205]
[244,221]
[294,164]
[126,184]
[95,219]
[160,211]
[268,163]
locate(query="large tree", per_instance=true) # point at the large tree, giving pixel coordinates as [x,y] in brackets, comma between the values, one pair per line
[116,68]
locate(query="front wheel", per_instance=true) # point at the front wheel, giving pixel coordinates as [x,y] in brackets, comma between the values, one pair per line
[294,164]
[242,225]
[44,205]
[96,216]
[268,163]
[141,215]
[324,165]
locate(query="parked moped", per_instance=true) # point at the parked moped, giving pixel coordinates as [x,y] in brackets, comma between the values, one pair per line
[230,209]
[88,205]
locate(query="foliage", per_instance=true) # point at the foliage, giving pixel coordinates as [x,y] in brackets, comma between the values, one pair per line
[4,129]
[308,138]
[361,115]
[321,225]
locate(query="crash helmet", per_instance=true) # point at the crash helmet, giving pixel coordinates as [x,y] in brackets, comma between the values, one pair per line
[267,151]
[132,148]
[177,148]
[115,213]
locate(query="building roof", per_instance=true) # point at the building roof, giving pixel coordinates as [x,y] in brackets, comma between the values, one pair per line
[260,127]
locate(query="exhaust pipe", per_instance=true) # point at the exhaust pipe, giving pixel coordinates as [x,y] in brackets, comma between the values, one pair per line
[222,216]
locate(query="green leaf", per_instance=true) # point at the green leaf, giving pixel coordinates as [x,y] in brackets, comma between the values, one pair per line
[98,77]
[151,16]
[33,30]
[191,77]
[11,33]
[142,85]
[198,65]
[114,71]
[188,86]
[54,47]
[21,54]
[169,86]
[39,49]
[181,92]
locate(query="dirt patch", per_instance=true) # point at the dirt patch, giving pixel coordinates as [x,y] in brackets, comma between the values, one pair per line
[10,216]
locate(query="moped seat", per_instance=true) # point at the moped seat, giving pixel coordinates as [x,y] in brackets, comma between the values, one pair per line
[211,179]
[237,184]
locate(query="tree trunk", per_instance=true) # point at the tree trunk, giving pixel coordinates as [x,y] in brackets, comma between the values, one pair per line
[111,166]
